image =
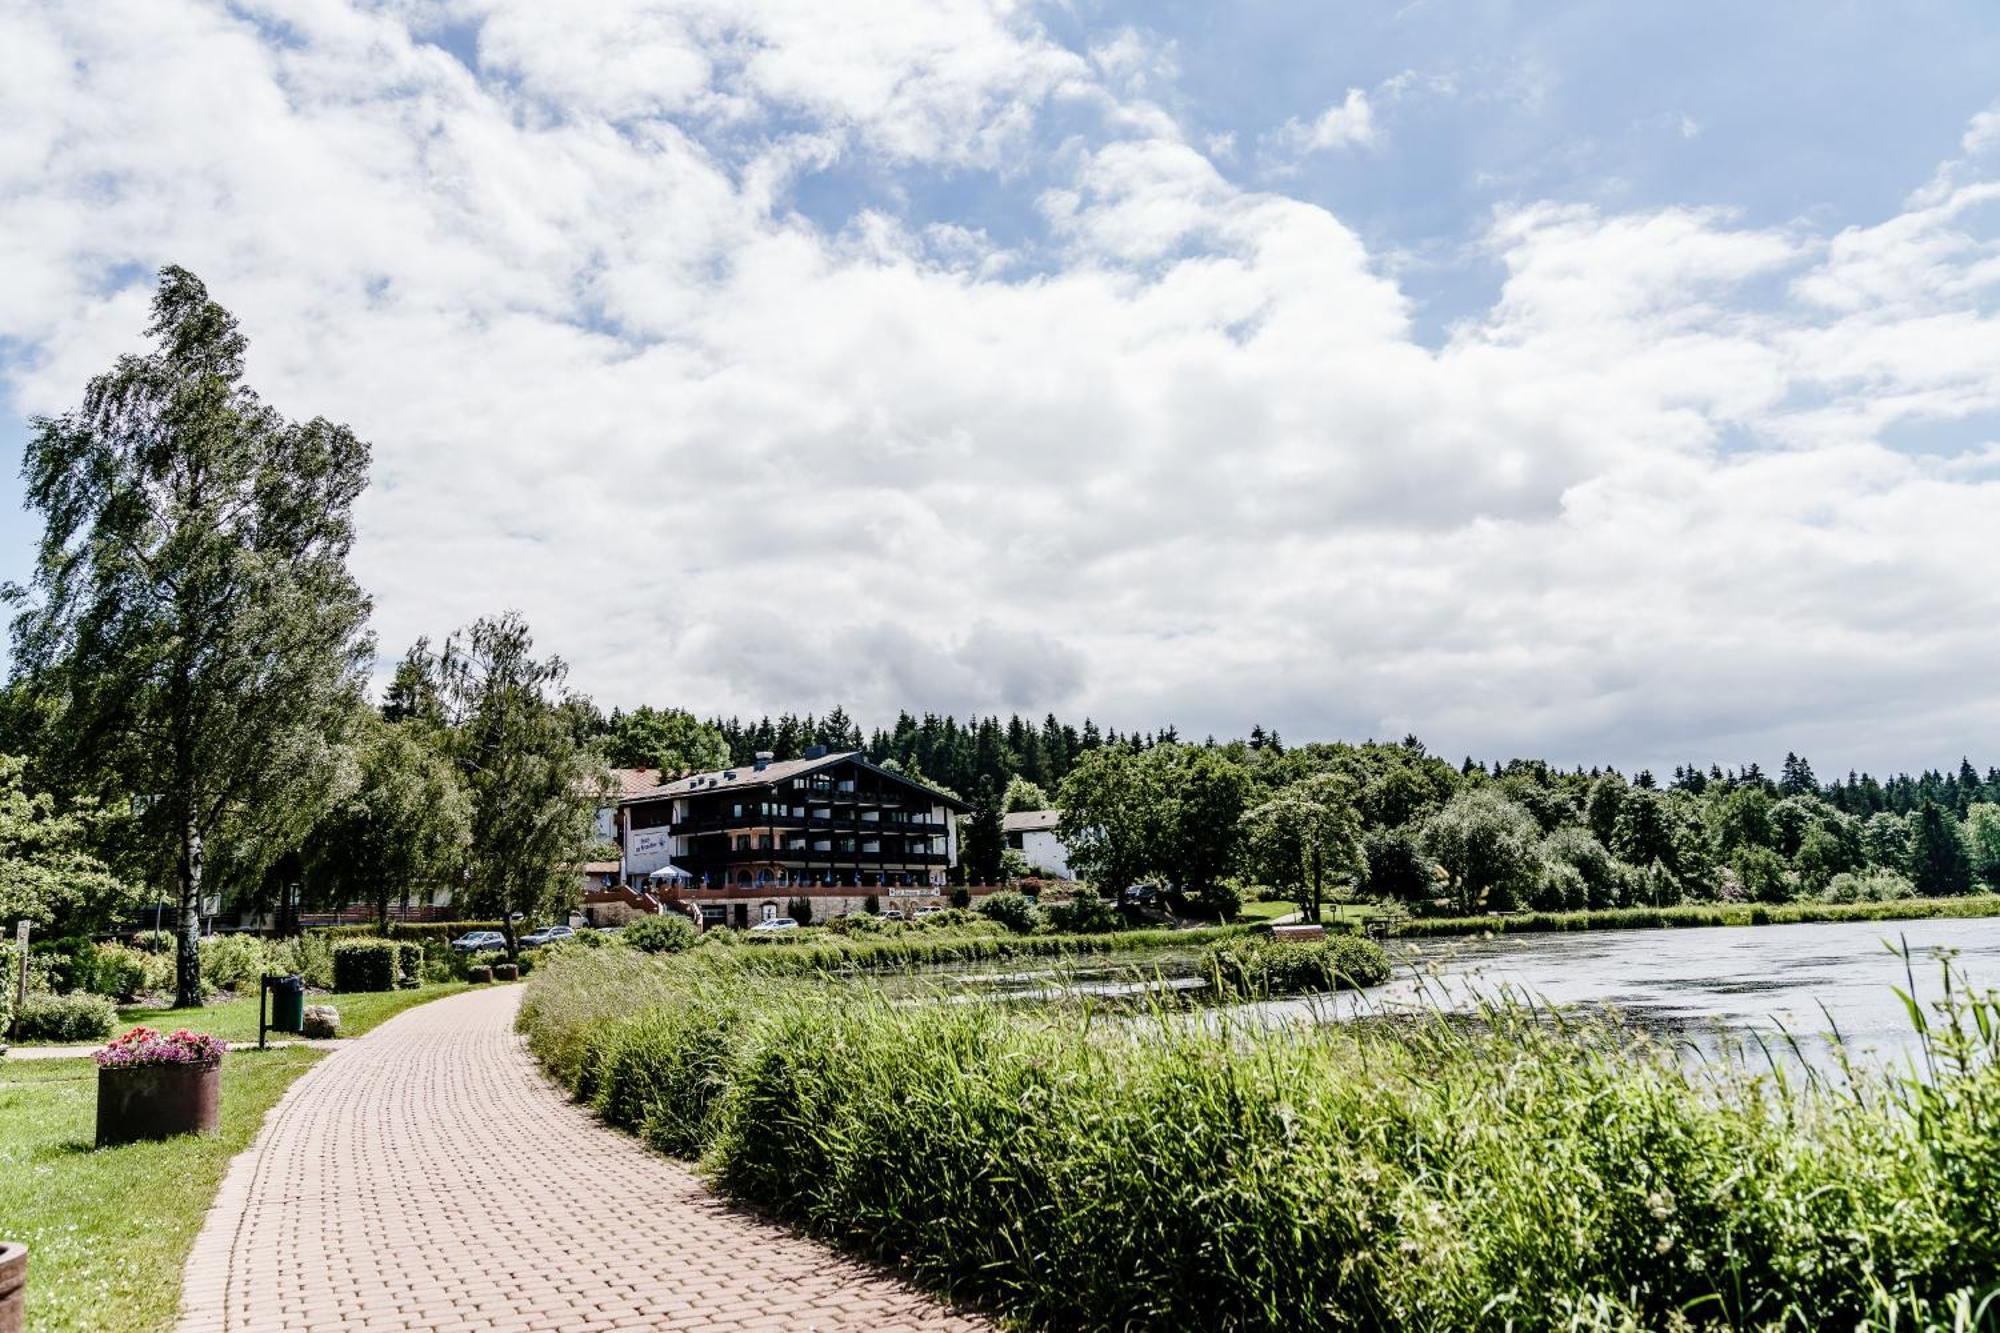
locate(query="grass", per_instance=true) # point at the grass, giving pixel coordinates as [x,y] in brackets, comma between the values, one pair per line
[1518,1173]
[108,1232]
[236,1020]
[1704,914]
[834,953]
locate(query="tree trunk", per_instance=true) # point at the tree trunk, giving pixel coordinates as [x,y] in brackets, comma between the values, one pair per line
[187,970]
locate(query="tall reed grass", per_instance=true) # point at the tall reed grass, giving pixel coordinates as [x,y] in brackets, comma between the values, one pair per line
[1070,1171]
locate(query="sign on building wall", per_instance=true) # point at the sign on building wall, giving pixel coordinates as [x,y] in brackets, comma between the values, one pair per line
[646,850]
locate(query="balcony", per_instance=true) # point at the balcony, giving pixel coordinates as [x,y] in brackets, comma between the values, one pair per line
[697,861]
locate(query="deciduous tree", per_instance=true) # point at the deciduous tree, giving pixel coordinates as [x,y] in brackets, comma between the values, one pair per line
[191,615]
[534,784]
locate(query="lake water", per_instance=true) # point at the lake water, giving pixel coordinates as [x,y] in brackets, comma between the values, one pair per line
[1804,979]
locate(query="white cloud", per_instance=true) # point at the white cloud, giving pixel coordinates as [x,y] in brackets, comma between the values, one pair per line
[1180,458]
[1348,123]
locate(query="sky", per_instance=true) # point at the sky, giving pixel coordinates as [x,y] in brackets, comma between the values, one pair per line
[1609,383]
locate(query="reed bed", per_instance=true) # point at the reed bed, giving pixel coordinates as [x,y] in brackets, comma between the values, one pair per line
[1070,1171]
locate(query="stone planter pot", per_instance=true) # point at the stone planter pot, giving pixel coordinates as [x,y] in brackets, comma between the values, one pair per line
[506,972]
[13,1287]
[136,1102]
[479,975]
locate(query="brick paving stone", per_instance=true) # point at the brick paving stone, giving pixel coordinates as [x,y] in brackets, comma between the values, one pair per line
[426,1176]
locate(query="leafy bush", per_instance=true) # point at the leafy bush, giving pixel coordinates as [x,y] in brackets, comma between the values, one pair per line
[800,910]
[442,931]
[309,956]
[1425,1175]
[862,923]
[961,897]
[951,918]
[78,1017]
[1868,886]
[1016,911]
[668,933]
[1084,914]
[376,965]
[233,962]
[154,941]
[69,963]
[124,973]
[1261,966]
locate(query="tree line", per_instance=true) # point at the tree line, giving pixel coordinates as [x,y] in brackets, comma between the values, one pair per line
[1393,822]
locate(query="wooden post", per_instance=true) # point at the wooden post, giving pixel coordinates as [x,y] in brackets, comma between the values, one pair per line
[20,971]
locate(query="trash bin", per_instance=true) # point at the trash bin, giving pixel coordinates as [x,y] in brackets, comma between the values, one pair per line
[288,1003]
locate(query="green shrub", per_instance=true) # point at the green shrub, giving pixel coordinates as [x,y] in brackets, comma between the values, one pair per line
[233,962]
[155,941]
[1868,886]
[1016,911]
[376,965]
[78,1017]
[861,923]
[951,918]
[961,897]
[444,931]
[1261,966]
[69,963]
[1084,914]
[800,910]
[668,933]
[124,973]
[309,955]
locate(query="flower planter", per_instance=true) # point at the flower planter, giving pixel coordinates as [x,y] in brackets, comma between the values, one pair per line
[157,1101]
[505,972]
[13,1287]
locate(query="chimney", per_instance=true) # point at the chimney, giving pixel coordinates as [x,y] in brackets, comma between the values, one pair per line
[763,760]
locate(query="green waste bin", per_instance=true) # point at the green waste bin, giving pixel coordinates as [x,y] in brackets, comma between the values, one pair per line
[288,1003]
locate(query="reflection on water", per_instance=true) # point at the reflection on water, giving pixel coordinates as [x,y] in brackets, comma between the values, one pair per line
[1805,980]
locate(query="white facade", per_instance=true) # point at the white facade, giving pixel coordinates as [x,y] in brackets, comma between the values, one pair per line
[1032,833]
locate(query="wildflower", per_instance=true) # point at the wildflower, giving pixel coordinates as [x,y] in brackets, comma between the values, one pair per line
[1660,1204]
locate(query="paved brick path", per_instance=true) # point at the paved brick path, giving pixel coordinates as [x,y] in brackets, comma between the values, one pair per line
[426,1176]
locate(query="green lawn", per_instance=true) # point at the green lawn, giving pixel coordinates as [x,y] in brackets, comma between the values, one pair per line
[1328,912]
[108,1232]
[236,1020]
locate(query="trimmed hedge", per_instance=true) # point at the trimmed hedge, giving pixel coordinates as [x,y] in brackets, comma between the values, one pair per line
[442,931]
[79,1017]
[377,965]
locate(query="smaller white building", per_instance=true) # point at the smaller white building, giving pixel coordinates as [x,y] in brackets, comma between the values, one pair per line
[1032,833]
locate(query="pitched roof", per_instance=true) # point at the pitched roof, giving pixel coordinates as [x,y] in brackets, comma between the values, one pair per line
[633,781]
[771,774]
[1030,821]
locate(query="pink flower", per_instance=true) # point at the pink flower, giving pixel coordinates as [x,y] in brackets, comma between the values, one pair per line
[144,1046]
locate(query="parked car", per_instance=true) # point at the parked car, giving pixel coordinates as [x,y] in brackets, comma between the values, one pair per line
[923,912]
[1142,895]
[546,935]
[480,941]
[774,925]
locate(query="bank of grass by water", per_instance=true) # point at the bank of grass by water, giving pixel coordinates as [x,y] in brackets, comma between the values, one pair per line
[108,1232]
[1702,914]
[1075,1173]
[833,953]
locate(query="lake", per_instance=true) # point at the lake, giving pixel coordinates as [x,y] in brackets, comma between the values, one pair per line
[1805,979]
